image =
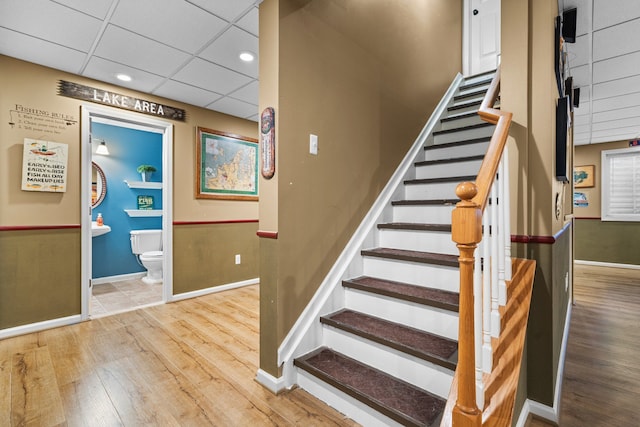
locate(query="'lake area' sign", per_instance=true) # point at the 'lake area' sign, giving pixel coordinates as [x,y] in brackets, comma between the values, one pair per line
[91,94]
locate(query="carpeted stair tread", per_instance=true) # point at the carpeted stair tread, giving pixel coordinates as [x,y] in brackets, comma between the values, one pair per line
[418,294]
[438,180]
[415,226]
[423,345]
[430,202]
[401,401]
[413,256]
[451,160]
[457,143]
[462,128]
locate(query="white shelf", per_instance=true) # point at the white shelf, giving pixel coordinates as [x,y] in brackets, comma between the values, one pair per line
[144,212]
[142,184]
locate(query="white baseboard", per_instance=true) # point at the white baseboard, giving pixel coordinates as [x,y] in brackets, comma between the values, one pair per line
[273,384]
[39,326]
[607,264]
[201,292]
[118,278]
[548,413]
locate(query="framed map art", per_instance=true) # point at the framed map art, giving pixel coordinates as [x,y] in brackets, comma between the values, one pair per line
[226,166]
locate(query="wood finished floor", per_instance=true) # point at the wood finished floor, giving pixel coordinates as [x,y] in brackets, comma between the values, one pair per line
[189,363]
[601,386]
[193,363]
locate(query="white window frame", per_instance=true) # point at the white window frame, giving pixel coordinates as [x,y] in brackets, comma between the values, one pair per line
[607,157]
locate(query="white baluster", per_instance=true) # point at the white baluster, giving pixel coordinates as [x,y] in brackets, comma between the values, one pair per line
[495,315]
[487,350]
[502,287]
[507,219]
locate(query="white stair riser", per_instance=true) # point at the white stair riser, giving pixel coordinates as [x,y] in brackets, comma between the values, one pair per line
[444,170]
[439,190]
[461,101]
[483,87]
[464,150]
[415,240]
[422,374]
[475,79]
[463,121]
[463,135]
[430,319]
[436,214]
[342,402]
[466,109]
[414,273]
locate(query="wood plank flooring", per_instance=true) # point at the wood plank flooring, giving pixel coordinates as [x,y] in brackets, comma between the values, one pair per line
[189,363]
[193,363]
[601,385]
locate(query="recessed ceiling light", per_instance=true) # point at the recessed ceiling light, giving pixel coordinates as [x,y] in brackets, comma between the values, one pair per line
[123,77]
[247,56]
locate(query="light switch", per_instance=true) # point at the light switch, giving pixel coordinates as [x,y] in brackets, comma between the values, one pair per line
[313,144]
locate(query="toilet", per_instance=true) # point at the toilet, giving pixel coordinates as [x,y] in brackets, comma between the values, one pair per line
[147,245]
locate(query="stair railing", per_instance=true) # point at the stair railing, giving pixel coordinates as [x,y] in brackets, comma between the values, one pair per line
[483,275]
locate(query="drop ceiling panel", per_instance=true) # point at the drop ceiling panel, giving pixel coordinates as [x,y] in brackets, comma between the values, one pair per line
[106,71]
[616,102]
[612,12]
[618,40]
[211,77]
[39,51]
[225,51]
[248,93]
[616,124]
[616,68]
[156,19]
[623,113]
[616,87]
[234,107]
[190,94]
[227,10]
[51,22]
[249,22]
[96,8]
[125,47]
[581,76]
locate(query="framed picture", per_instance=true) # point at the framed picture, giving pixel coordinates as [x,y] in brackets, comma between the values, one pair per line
[584,176]
[226,166]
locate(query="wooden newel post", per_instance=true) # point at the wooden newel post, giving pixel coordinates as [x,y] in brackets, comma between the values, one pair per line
[467,233]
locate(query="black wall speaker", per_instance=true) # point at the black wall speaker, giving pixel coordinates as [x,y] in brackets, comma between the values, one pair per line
[576,97]
[569,18]
[568,91]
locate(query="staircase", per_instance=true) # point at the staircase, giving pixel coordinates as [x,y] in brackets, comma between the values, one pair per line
[388,353]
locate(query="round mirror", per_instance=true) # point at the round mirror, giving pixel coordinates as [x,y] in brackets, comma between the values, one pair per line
[98,185]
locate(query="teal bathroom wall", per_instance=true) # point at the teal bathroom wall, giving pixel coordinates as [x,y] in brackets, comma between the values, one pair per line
[128,148]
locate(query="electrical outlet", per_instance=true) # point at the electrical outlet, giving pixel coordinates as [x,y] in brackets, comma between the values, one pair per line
[238,259]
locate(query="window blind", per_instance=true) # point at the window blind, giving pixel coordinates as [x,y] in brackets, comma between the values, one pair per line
[621,185]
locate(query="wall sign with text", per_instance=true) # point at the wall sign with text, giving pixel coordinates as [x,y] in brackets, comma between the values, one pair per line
[44,166]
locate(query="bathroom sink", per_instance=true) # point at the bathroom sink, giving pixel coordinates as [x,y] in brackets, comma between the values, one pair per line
[99,230]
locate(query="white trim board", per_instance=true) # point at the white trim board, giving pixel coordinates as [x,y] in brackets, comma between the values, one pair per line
[214,289]
[548,413]
[118,278]
[39,326]
[607,264]
[273,384]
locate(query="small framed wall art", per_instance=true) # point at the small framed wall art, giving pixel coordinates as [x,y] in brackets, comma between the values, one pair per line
[584,176]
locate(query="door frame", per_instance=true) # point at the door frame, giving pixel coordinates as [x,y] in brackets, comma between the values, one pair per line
[89,113]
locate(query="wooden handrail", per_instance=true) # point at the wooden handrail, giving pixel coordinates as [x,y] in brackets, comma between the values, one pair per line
[502,120]
[467,233]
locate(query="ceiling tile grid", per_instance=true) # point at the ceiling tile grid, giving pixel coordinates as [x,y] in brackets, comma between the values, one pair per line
[186,50]
[605,64]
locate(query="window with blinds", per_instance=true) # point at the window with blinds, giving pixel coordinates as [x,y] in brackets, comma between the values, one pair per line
[621,185]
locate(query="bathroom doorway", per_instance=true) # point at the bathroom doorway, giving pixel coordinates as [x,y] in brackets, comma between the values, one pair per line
[145,204]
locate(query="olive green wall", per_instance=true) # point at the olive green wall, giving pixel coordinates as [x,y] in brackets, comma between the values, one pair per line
[39,275]
[602,241]
[58,288]
[528,89]
[204,255]
[364,77]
